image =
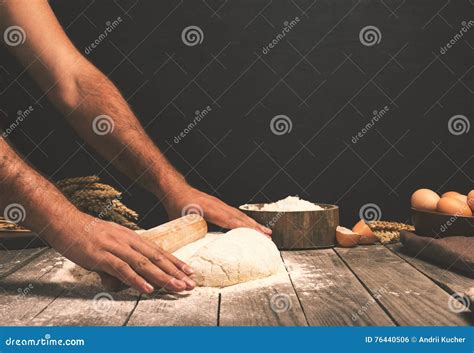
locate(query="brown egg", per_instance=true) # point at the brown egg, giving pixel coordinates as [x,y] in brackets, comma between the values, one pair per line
[461,197]
[346,237]
[470,200]
[455,195]
[367,237]
[424,199]
[450,194]
[453,206]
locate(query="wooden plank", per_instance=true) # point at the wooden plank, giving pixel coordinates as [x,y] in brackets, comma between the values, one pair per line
[329,292]
[86,303]
[195,308]
[11,260]
[88,306]
[450,281]
[266,302]
[30,297]
[408,295]
[26,292]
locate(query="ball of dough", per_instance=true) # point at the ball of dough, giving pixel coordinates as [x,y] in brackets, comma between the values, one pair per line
[240,255]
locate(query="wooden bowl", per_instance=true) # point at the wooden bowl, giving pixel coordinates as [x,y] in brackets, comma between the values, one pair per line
[299,229]
[439,225]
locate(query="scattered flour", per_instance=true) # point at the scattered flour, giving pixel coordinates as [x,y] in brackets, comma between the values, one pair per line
[314,278]
[270,281]
[289,204]
[71,273]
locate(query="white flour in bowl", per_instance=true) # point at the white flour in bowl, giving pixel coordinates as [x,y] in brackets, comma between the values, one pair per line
[289,204]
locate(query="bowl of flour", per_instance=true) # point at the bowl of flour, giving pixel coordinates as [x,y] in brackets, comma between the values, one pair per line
[297,223]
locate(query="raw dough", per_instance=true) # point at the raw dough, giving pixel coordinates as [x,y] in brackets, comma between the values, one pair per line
[240,255]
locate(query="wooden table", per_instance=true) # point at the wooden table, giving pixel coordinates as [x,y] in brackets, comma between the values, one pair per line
[371,285]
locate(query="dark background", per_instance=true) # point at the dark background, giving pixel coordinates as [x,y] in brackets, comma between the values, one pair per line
[320,76]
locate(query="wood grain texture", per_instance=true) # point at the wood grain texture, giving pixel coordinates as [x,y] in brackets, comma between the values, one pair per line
[88,305]
[273,304]
[452,282]
[177,233]
[29,296]
[329,292]
[196,308]
[11,260]
[299,229]
[26,292]
[408,295]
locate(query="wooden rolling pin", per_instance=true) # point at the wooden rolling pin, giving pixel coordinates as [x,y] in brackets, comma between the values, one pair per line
[174,235]
[170,236]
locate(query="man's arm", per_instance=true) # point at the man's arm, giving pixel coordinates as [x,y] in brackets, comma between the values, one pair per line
[83,93]
[94,244]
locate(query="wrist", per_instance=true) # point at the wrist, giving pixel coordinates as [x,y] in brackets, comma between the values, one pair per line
[166,187]
[67,220]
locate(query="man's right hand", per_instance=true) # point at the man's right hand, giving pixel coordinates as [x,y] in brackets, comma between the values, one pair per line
[107,247]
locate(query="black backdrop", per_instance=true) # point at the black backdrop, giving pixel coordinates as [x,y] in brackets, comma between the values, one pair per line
[319,75]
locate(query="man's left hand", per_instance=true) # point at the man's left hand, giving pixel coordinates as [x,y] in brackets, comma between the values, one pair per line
[213,210]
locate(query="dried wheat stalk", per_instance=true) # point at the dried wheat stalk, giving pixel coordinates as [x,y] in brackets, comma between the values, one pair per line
[100,200]
[7,225]
[124,210]
[389,232]
[79,180]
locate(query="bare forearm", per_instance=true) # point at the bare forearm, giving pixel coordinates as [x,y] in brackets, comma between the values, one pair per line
[102,117]
[83,93]
[39,203]
[44,209]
